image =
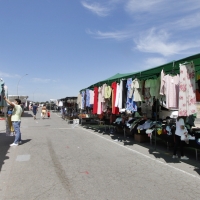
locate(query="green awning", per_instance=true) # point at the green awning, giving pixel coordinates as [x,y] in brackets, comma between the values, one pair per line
[169,68]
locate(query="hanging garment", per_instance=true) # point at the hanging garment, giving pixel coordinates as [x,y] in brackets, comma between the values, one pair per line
[79,99]
[83,100]
[118,102]
[124,93]
[187,96]
[105,105]
[87,98]
[95,100]
[104,101]
[147,95]
[103,92]
[130,104]
[60,103]
[115,110]
[152,84]
[136,87]
[108,91]
[157,88]
[91,97]
[129,88]
[120,105]
[117,95]
[162,92]
[99,106]
[171,89]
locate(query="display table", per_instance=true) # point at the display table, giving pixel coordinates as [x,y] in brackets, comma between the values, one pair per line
[141,137]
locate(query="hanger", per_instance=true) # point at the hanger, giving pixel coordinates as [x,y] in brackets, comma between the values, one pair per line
[186,62]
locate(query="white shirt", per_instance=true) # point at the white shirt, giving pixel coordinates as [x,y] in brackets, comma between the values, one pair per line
[180,131]
[91,97]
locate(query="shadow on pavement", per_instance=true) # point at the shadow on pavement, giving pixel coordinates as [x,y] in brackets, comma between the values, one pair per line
[162,150]
[26,114]
[25,141]
[5,142]
[165,154]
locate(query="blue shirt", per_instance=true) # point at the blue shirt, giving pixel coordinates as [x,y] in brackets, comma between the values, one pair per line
[35,108]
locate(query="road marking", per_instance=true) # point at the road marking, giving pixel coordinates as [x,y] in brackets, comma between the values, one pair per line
[22,158]
[146,156]
[61,128]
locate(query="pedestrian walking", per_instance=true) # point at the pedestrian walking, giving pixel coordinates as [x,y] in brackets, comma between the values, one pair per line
[16,120]
[35,109]
[62,111]
[44,111]
[48,114]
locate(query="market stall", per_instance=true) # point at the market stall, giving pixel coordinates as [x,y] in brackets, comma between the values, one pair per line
[157,93]
[68,106]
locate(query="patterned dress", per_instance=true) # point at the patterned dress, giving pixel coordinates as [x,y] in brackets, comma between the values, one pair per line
[130,104]
[187,89]
[87,98]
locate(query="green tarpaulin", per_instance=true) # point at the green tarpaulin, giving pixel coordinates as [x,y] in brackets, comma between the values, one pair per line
[169,68]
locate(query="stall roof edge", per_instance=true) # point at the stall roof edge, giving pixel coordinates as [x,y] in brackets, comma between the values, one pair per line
[151,71]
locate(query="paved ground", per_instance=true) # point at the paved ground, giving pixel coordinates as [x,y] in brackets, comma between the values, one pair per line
[59,162]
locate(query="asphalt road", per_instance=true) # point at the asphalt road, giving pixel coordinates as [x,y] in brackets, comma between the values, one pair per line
[57,161]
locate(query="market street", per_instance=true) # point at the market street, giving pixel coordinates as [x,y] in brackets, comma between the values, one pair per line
[57,161]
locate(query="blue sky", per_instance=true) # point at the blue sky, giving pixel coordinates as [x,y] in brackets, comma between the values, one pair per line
[67,45]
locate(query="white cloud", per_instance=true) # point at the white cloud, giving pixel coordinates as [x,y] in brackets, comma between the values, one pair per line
[117,35]
[188,22]
[96,8]
[162,6]
[141,5]
[159,42]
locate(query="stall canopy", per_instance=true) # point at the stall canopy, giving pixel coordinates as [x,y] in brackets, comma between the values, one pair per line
[169,68]
[69,99]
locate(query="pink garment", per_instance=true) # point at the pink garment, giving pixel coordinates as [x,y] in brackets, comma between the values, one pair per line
[171,89]
[187,96]
[99,106]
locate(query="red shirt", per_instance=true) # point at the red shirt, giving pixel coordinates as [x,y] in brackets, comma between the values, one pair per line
[95,100]
[115,110]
